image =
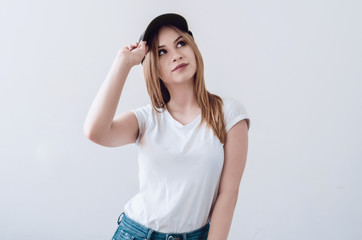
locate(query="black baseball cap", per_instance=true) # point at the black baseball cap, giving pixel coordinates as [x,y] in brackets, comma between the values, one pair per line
[162,20]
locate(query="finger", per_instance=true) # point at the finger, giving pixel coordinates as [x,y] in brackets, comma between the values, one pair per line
[140,44]
[143,44]
[146,46]
[135,45]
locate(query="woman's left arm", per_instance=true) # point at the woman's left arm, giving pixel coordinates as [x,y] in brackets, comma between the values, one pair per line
[235,151]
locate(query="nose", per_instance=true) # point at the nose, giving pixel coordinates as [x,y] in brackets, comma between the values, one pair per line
[176,56]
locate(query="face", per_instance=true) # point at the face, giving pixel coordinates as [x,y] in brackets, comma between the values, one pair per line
[177,59]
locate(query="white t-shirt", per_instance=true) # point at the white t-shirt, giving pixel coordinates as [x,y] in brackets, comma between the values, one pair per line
[179,169]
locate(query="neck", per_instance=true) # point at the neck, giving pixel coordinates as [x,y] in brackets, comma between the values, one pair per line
[183,98]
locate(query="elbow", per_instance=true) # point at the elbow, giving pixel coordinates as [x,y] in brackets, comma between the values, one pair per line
[89,133]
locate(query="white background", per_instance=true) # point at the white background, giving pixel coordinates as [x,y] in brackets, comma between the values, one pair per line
[295,65]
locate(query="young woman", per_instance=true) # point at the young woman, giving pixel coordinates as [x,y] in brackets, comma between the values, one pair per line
[192,144]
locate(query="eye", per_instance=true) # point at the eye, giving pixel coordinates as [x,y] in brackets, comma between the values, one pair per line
[181,44]
[161,52]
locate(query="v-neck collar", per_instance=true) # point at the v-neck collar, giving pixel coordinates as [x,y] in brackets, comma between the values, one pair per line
[178,124]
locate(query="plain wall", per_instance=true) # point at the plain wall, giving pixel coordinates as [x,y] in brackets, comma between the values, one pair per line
[295,65]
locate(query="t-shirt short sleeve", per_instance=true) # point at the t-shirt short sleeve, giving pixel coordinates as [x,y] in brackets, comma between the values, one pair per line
[234,112]
[143,115]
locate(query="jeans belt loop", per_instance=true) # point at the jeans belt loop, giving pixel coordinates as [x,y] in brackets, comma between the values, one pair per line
[119,218]
[170,237]
[149,234]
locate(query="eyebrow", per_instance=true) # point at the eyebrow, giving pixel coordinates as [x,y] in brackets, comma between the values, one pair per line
[174,42]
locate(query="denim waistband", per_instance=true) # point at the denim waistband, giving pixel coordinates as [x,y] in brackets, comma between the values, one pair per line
[150,234]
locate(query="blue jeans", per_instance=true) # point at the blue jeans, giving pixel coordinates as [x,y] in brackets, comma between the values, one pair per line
[129,229]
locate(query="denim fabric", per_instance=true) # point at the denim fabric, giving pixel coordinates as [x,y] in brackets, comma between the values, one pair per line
[129,229]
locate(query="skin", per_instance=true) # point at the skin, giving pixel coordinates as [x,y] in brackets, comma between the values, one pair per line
[235,154]
[180,86]
[183,105]
[103,128]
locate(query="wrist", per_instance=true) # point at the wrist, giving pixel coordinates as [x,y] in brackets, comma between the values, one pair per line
[123,60]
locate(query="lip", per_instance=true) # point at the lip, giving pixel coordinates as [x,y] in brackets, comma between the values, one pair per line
[182,65]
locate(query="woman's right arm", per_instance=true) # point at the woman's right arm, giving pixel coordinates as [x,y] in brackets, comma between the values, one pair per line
[100,126]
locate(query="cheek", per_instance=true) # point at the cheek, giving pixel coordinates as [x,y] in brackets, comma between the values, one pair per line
[193,60]
[192,56]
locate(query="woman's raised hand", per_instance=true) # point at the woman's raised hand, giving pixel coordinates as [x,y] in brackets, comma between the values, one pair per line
[134,53]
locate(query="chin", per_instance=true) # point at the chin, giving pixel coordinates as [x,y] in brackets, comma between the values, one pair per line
[184,79]
[181,78]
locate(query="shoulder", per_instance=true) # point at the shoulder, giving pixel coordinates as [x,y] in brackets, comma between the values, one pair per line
[234,111]
[145,108]
[147,112]
[146,118]
[142,113]
[232,105]
[228,101]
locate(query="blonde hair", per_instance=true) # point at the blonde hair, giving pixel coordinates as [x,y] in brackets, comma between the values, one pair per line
[211,105]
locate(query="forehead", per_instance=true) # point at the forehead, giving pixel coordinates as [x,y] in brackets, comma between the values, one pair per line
[167,35]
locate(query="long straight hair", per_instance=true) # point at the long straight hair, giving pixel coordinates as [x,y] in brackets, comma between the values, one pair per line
[211,105]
